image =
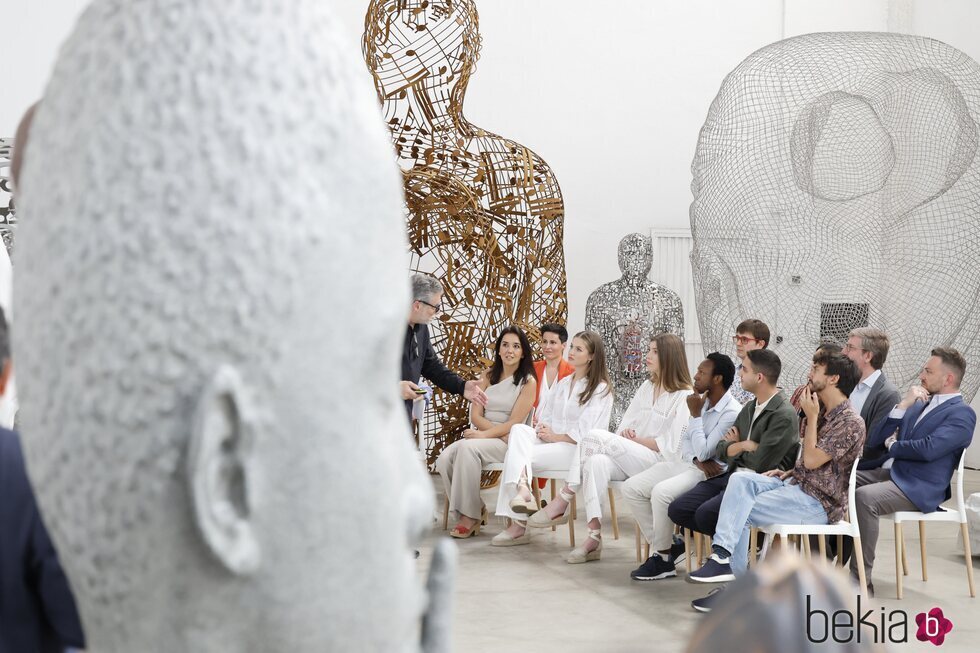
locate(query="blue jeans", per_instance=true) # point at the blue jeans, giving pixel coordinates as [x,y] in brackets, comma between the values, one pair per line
[756,500]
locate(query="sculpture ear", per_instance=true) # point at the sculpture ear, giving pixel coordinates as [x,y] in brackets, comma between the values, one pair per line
[218,473]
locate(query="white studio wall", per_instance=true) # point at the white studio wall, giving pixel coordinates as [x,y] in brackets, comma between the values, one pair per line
[611,95]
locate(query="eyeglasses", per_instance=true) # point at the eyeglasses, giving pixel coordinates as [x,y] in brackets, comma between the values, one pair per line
[743,340]
[850,347]
[436,307]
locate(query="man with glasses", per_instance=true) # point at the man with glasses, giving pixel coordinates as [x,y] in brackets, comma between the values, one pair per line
[419,358]
[751,334]
[874,395]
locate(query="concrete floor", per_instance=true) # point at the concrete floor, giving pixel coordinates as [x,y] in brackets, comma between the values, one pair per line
[505,596]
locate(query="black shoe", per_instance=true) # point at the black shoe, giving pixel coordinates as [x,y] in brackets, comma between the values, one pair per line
[678,553]
[706,604]
[714,571]
[654,568]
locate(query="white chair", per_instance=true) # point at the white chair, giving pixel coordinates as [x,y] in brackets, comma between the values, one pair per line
[840,529]
[940,515]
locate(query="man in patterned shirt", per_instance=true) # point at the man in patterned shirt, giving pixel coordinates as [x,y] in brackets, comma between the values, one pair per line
[813,492]
[750,334]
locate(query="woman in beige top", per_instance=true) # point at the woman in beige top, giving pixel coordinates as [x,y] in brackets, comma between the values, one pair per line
[510,385]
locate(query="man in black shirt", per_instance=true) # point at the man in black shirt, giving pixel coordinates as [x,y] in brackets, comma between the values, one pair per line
[419,358]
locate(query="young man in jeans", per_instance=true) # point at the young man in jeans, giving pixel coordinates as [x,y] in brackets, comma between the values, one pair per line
[766,436]
[813,492]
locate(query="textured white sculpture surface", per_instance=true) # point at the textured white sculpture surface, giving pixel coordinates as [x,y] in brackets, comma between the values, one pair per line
[836,185]
[209,309]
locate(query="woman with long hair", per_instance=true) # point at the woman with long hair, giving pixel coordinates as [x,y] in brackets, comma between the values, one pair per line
[580,402]
[510,385]
[650,432]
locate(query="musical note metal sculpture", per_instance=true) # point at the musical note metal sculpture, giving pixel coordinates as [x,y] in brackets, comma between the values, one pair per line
[485,214]
[836,185]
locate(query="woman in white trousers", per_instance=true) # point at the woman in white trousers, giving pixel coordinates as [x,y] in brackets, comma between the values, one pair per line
[580,402]
[650,432]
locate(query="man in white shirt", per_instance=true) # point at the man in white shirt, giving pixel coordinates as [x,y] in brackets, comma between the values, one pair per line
[874,395]
[713,411]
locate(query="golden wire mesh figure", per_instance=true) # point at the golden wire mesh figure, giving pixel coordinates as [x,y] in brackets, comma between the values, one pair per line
[485,214]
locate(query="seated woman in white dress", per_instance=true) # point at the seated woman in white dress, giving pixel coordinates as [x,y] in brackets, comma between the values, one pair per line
[580,402]
[510,386]
[650,432]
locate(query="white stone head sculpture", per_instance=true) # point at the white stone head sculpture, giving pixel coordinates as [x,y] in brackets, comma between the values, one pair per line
[209,310]
[836,185]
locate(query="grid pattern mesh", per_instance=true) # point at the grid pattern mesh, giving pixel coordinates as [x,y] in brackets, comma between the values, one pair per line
[839,170]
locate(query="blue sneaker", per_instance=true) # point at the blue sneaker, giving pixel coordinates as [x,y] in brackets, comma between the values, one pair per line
[654,568]
[715,570]
[678,553]
[706,604]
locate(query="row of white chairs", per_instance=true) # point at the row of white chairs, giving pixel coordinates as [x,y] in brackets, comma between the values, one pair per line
[784,532]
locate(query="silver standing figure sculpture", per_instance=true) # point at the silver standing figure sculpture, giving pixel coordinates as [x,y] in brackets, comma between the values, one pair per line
[627,313]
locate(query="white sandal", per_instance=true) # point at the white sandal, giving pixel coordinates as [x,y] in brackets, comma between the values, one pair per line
[540,519]
[580,555]
[503,538]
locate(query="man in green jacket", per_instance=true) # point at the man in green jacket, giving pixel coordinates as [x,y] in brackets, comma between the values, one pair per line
[766,435]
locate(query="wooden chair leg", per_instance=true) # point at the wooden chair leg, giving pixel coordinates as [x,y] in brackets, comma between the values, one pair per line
[905,556]
[553,491]
[899,552]
[840,551]
[571,523]
[688,552]
[636,528]
[707,547]
[612,514]
[753,533]
[862,575]
[805,539]
[822,545]
[922,548]
[445,515]
[646,550]
[699,548]
[969,558]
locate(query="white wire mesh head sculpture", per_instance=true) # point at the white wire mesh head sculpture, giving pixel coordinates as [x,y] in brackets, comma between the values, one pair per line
[199,422]
[836,186]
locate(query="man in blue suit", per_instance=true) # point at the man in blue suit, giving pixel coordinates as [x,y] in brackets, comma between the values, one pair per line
[924,436]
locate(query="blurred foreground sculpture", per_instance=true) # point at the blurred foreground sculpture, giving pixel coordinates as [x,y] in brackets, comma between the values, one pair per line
[786,605]
[627,313]
[221,461]
[835,186]
[485,214]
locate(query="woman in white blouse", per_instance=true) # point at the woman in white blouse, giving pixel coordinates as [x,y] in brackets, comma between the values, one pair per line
[651,432]
[580,403]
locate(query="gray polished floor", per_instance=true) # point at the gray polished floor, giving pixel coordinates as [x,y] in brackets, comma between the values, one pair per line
[527,598]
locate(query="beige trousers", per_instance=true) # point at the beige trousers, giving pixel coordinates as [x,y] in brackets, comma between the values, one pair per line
[460,465]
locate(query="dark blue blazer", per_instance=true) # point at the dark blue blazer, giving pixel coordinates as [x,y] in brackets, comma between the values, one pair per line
[37,610]
[926,454]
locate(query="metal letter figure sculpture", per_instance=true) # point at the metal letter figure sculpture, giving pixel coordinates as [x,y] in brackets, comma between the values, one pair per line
[485,214]
[627,313]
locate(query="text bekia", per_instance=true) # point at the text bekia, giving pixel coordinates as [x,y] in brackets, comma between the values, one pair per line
[843,626]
